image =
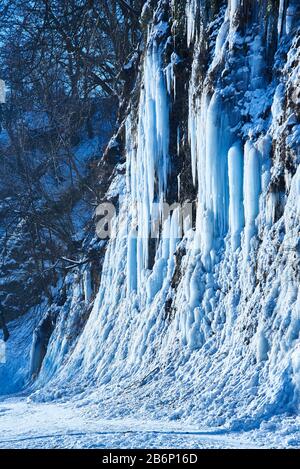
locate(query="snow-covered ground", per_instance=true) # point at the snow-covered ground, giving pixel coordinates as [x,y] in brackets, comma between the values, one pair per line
[24,424]
[27,424]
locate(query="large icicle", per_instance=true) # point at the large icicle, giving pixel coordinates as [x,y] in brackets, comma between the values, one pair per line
[252,188]
[147,166]
[236,209]
[132,261]
[210,142]
[216,165]
[191,10]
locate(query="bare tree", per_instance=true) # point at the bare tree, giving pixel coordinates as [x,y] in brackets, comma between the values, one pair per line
[61,60]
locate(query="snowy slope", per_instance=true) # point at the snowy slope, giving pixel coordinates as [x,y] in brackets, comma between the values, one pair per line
[201,326]
[15,369]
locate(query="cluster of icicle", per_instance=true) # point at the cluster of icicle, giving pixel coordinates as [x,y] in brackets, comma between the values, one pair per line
[230,175]
[148,165]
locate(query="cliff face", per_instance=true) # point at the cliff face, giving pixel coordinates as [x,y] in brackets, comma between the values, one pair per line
[201,320]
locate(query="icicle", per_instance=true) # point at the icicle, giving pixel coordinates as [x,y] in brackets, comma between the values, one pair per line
[216,173]
[281,24]
[207,238]
[192,135]
[270,208]
[87,285]
[175,236]
[291,13]
[132,261]
[178,187]
[252,188]
[220,41]
[234,6]
[191,10]
[168,75]
[236,210]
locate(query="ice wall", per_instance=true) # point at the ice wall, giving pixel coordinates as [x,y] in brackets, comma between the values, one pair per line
[202,325]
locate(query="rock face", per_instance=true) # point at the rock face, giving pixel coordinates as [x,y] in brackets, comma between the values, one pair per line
[200,323]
